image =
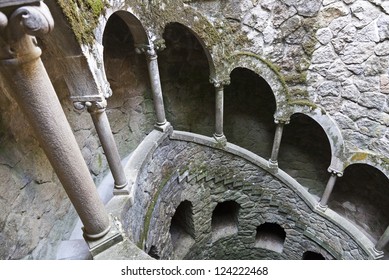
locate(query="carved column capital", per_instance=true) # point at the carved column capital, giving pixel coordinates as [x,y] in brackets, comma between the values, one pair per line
[220,82]
[17,31]
[92,106]
[281,121]
[335,172]
[148,50]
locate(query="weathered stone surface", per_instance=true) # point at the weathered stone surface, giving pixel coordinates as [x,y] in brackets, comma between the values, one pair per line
[334,53]
[356,53]
[365,12]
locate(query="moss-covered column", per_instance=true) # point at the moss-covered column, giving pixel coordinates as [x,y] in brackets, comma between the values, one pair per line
[155,81]
[273,161]
[328,190]
[35,95]
[219,109]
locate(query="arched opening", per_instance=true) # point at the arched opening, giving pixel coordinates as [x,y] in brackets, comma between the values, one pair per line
[189,97]
[309,255]
[182,228]
[249,109]
[225,219]
[153,252]
[305,153]
[270,236]
[130,109]
[362,196]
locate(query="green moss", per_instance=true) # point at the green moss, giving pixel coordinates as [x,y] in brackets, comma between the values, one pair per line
[303,102]
[276,69]
[296,78]
[83,16]
[299,93]
[149,213]
[359,156]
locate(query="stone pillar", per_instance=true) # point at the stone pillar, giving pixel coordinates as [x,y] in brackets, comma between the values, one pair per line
[328,190]
[383,241]
[35,95]
[103,128]
[219,109]
[273,161]
[155,81]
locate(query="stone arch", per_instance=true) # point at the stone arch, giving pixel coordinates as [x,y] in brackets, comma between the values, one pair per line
[331,130]
[249,105]
[305,152]
[270,236]
[264,69]
[184,69]
[182,231]
[365,157]
[128,75]
[225,219]
[134,25]
[362,197]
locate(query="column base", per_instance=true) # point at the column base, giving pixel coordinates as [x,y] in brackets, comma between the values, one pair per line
[113,237]
[163,127]
[119,187]
[321,208]
[377,254]
[221,139]
[273,164]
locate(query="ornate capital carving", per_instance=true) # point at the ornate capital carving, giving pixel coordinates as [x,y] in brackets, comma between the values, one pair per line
[151,50]
[335,172]
[220,82]
[17,31]
[281,121]
[92,106]
[148,50]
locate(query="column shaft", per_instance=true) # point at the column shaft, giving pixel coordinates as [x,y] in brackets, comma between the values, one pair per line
[219,111]
[328,190]
[35,95]
[155,81]
[103,128]
[276,144]
[383,241]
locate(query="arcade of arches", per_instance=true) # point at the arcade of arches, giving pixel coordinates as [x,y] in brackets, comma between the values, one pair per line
[242,150]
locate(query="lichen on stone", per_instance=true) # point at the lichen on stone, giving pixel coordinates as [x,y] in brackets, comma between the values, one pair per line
[83,17]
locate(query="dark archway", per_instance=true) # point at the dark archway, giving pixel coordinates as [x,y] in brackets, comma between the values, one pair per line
[225,219]
[130,108]
[182,230]
[362,196]
[188,95]
[270,236]
[309,255]
[248,115]
[305,153]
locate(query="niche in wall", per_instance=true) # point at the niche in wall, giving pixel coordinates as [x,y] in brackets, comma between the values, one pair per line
[182,229]
[225,219]
[153,252]
[310,255]
[270,236]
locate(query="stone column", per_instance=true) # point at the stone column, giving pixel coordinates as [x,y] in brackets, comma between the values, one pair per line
[103,128]
[328,190]
[273,161]
[219,109]
[155,81]
[383,241]
[35,95]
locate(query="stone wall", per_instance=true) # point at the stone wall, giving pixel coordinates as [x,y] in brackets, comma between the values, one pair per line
[332,54]
[206,177]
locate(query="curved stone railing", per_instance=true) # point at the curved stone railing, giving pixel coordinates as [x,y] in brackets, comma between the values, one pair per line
[143,154]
